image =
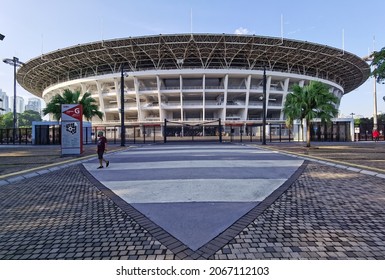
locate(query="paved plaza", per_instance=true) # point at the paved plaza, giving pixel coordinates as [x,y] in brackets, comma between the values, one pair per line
[197,201]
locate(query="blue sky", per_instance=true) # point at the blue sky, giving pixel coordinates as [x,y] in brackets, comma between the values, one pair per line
[40,26]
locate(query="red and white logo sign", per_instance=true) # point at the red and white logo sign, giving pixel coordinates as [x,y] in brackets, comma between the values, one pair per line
[71,129]
[73,111]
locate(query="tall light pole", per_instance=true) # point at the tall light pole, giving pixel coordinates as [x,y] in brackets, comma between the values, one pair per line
[368,59]
[375,103]
[15,63]
[1,39]
[122,128]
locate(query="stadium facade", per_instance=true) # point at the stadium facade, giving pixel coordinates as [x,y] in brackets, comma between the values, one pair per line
[191,78]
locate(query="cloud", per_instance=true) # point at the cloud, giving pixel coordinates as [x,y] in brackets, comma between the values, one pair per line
[241,31]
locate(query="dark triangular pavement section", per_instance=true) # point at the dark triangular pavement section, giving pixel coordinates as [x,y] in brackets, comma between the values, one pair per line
[195,223]
[210,248]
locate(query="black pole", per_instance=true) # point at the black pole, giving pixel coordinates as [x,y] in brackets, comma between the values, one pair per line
[144,134]
[264,108]
[220,130]
[122,128]
[15,63]
[14,99]
[164,131]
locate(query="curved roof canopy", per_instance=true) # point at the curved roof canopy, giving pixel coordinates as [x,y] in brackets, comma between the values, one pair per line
[206,51]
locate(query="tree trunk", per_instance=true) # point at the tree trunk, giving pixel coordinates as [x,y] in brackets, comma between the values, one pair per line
[308,133]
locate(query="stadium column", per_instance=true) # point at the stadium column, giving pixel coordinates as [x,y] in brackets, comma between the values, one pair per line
[100,94]
[181,102]
[137,98]
[248,86]
[161,114]
[285,92]
[225,99]
[203,103]
[118,96]
[264,108]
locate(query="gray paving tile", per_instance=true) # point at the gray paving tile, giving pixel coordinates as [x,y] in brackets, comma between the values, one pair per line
[327,213]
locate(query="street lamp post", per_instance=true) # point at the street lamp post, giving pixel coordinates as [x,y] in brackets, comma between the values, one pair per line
[375,104]
[15,63]
[122,128]
[369,58]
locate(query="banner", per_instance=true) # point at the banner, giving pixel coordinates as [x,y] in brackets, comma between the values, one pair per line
[71,129]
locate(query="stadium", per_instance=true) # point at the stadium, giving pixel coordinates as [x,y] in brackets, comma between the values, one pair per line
[192,78]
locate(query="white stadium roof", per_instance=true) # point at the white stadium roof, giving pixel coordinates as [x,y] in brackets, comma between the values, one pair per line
[187,51]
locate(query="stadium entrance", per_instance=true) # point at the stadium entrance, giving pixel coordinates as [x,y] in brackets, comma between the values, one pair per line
[175,131]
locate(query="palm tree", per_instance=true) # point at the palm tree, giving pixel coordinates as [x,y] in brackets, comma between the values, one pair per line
[90,109]
[309,102]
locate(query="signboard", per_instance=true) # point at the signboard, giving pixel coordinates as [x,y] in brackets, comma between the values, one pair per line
[71,129]
[356,130]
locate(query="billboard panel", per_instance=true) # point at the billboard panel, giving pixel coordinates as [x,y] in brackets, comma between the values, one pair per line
[72,129]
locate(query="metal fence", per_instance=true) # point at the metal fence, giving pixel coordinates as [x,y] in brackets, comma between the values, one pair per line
[330,132]
[230,132]
[134,134]
[254,133]
[173,132]
[22,136]
[213,131]
[364,132]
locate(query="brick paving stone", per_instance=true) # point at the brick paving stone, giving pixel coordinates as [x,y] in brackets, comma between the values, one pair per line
[39,211]
[339,210]
[327,213]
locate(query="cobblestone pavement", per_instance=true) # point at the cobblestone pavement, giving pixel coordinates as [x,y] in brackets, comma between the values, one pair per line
[327,213]
[17,158]
[61,215]
[369,154]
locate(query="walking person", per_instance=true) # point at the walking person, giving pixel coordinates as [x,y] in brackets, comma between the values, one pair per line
[101,149]
[376,135]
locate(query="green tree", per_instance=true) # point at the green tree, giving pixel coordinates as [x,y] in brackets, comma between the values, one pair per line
[90,108]
[378,62]
[381,119]
[7,120]
[357,122]
[309,102]
[27,117]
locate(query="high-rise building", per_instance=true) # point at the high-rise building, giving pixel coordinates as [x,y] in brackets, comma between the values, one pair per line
[34,104]
[20,108]
[4,107]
